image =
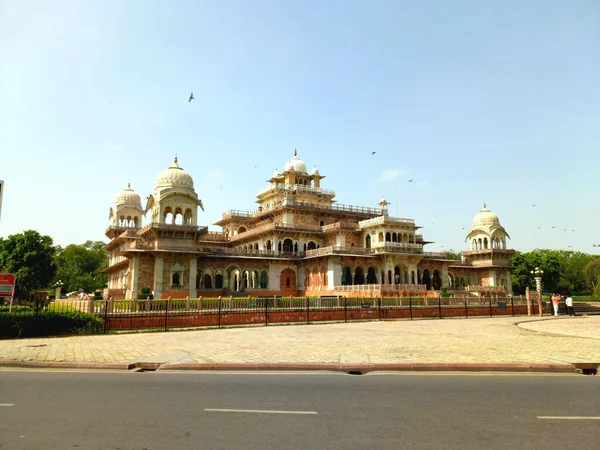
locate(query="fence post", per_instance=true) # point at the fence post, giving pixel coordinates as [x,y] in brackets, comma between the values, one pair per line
[345,309]
[187,303]
[105,314]
[410,306]
[512,305]
[148,305]
[466,307]
[133,305]
[379,306]
[91,306]
[490,306]
[440,305]
[199,305]
[307,311]
[167,305]
[219,310]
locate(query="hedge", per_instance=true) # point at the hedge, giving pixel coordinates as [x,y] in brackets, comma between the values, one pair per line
[47,323]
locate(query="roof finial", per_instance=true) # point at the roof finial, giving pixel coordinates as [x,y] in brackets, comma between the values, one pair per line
[175,160]
[484,205]
[295,152]
[129,185]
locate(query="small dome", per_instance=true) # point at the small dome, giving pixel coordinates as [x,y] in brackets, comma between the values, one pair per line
[295,164]
[276,174]
[315,171]
[485,217]
[127,197]
[174,176]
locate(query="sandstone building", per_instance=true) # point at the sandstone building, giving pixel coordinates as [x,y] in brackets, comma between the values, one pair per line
[299,241]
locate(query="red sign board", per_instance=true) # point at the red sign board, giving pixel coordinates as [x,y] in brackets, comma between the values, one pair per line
[7,284]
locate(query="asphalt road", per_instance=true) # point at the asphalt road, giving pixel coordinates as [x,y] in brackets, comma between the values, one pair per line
[152,410]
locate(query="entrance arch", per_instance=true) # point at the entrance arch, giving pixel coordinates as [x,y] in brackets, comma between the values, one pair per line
[287,280]
[426,279]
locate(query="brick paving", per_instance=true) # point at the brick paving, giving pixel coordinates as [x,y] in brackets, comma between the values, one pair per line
[482,340]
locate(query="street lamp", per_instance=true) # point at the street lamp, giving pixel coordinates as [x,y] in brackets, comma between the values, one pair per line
[58,289]
[537,272]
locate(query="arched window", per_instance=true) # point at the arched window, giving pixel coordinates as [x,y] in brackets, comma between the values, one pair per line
[368,241]
[380,237]
[394,237]
[208,284]
[311,245]
[322,223]
[219,281]
[264,279]
[388,237]
[176,279]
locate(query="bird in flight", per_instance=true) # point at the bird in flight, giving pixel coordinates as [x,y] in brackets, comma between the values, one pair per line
[191,97]
[410,181]
[553,227]
[533,206]
[539,228]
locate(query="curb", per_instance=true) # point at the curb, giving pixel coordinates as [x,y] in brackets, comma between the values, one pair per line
[381,367]
[360,368]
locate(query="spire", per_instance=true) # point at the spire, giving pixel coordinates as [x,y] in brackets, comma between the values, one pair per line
[175,160]
[129,185]
[295,152]
[484,205]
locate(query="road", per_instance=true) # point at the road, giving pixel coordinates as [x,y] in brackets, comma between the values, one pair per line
[154,410]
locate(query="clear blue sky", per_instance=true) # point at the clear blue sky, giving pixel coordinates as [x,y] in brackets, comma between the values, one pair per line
[495,101]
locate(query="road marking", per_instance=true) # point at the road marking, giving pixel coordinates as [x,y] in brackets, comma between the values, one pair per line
[259,411]
[569,417]
[7,404]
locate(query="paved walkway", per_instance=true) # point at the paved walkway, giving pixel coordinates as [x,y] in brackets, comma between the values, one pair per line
[482,341]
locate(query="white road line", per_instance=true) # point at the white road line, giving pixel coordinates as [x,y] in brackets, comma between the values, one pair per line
[569,417]
[7,404]
[259,411]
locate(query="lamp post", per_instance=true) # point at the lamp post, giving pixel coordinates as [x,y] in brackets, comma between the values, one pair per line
[58,289]
[537,272]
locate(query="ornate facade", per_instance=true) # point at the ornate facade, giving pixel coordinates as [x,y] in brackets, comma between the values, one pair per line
[299,241]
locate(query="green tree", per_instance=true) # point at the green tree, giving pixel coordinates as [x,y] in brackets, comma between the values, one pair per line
[80,266]
[31,256]
[592,275]
[524,263]
[451,254]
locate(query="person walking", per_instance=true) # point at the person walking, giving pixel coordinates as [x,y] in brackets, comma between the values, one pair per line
[569,303]
[555,303]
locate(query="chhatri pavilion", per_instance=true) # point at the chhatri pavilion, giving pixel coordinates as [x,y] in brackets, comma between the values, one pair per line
[298,242]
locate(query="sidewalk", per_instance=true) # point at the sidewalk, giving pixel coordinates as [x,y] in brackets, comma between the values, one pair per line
[481,341]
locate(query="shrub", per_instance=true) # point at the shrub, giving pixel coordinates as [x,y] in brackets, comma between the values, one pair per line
[47,323]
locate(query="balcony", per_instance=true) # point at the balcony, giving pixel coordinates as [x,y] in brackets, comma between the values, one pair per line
[237,213]
[299,188]
[397,247]
[337,249]
[338,226]
[385,220]
[213,236]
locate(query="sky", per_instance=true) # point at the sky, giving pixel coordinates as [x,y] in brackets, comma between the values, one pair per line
[475,101]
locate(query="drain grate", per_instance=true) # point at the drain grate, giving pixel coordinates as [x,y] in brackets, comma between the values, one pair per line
[355,372]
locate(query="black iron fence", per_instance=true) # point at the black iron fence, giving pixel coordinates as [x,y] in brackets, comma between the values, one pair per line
[99,316]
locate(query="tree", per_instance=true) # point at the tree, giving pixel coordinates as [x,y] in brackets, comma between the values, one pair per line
[451,254]
[592,274]
[31,256]
[80,266]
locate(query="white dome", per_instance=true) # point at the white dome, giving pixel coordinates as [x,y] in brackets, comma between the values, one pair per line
[485,217]
[127,197]
[315,171]
[295,164]
[174,176]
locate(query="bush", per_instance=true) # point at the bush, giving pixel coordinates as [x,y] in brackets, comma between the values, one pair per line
[47,323]
[15,308]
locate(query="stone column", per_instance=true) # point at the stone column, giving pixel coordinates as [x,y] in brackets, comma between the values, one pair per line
[135,272]
[193,276]
[158,277]
[334,273]
[492,278]
[444,275]
[509,282]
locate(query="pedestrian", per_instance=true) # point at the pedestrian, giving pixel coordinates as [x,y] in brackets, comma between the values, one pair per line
[569,303]
[555,303]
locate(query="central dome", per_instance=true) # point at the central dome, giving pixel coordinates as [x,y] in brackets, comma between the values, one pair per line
[485,217]
[174,176]
[127,197]
[295,164]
